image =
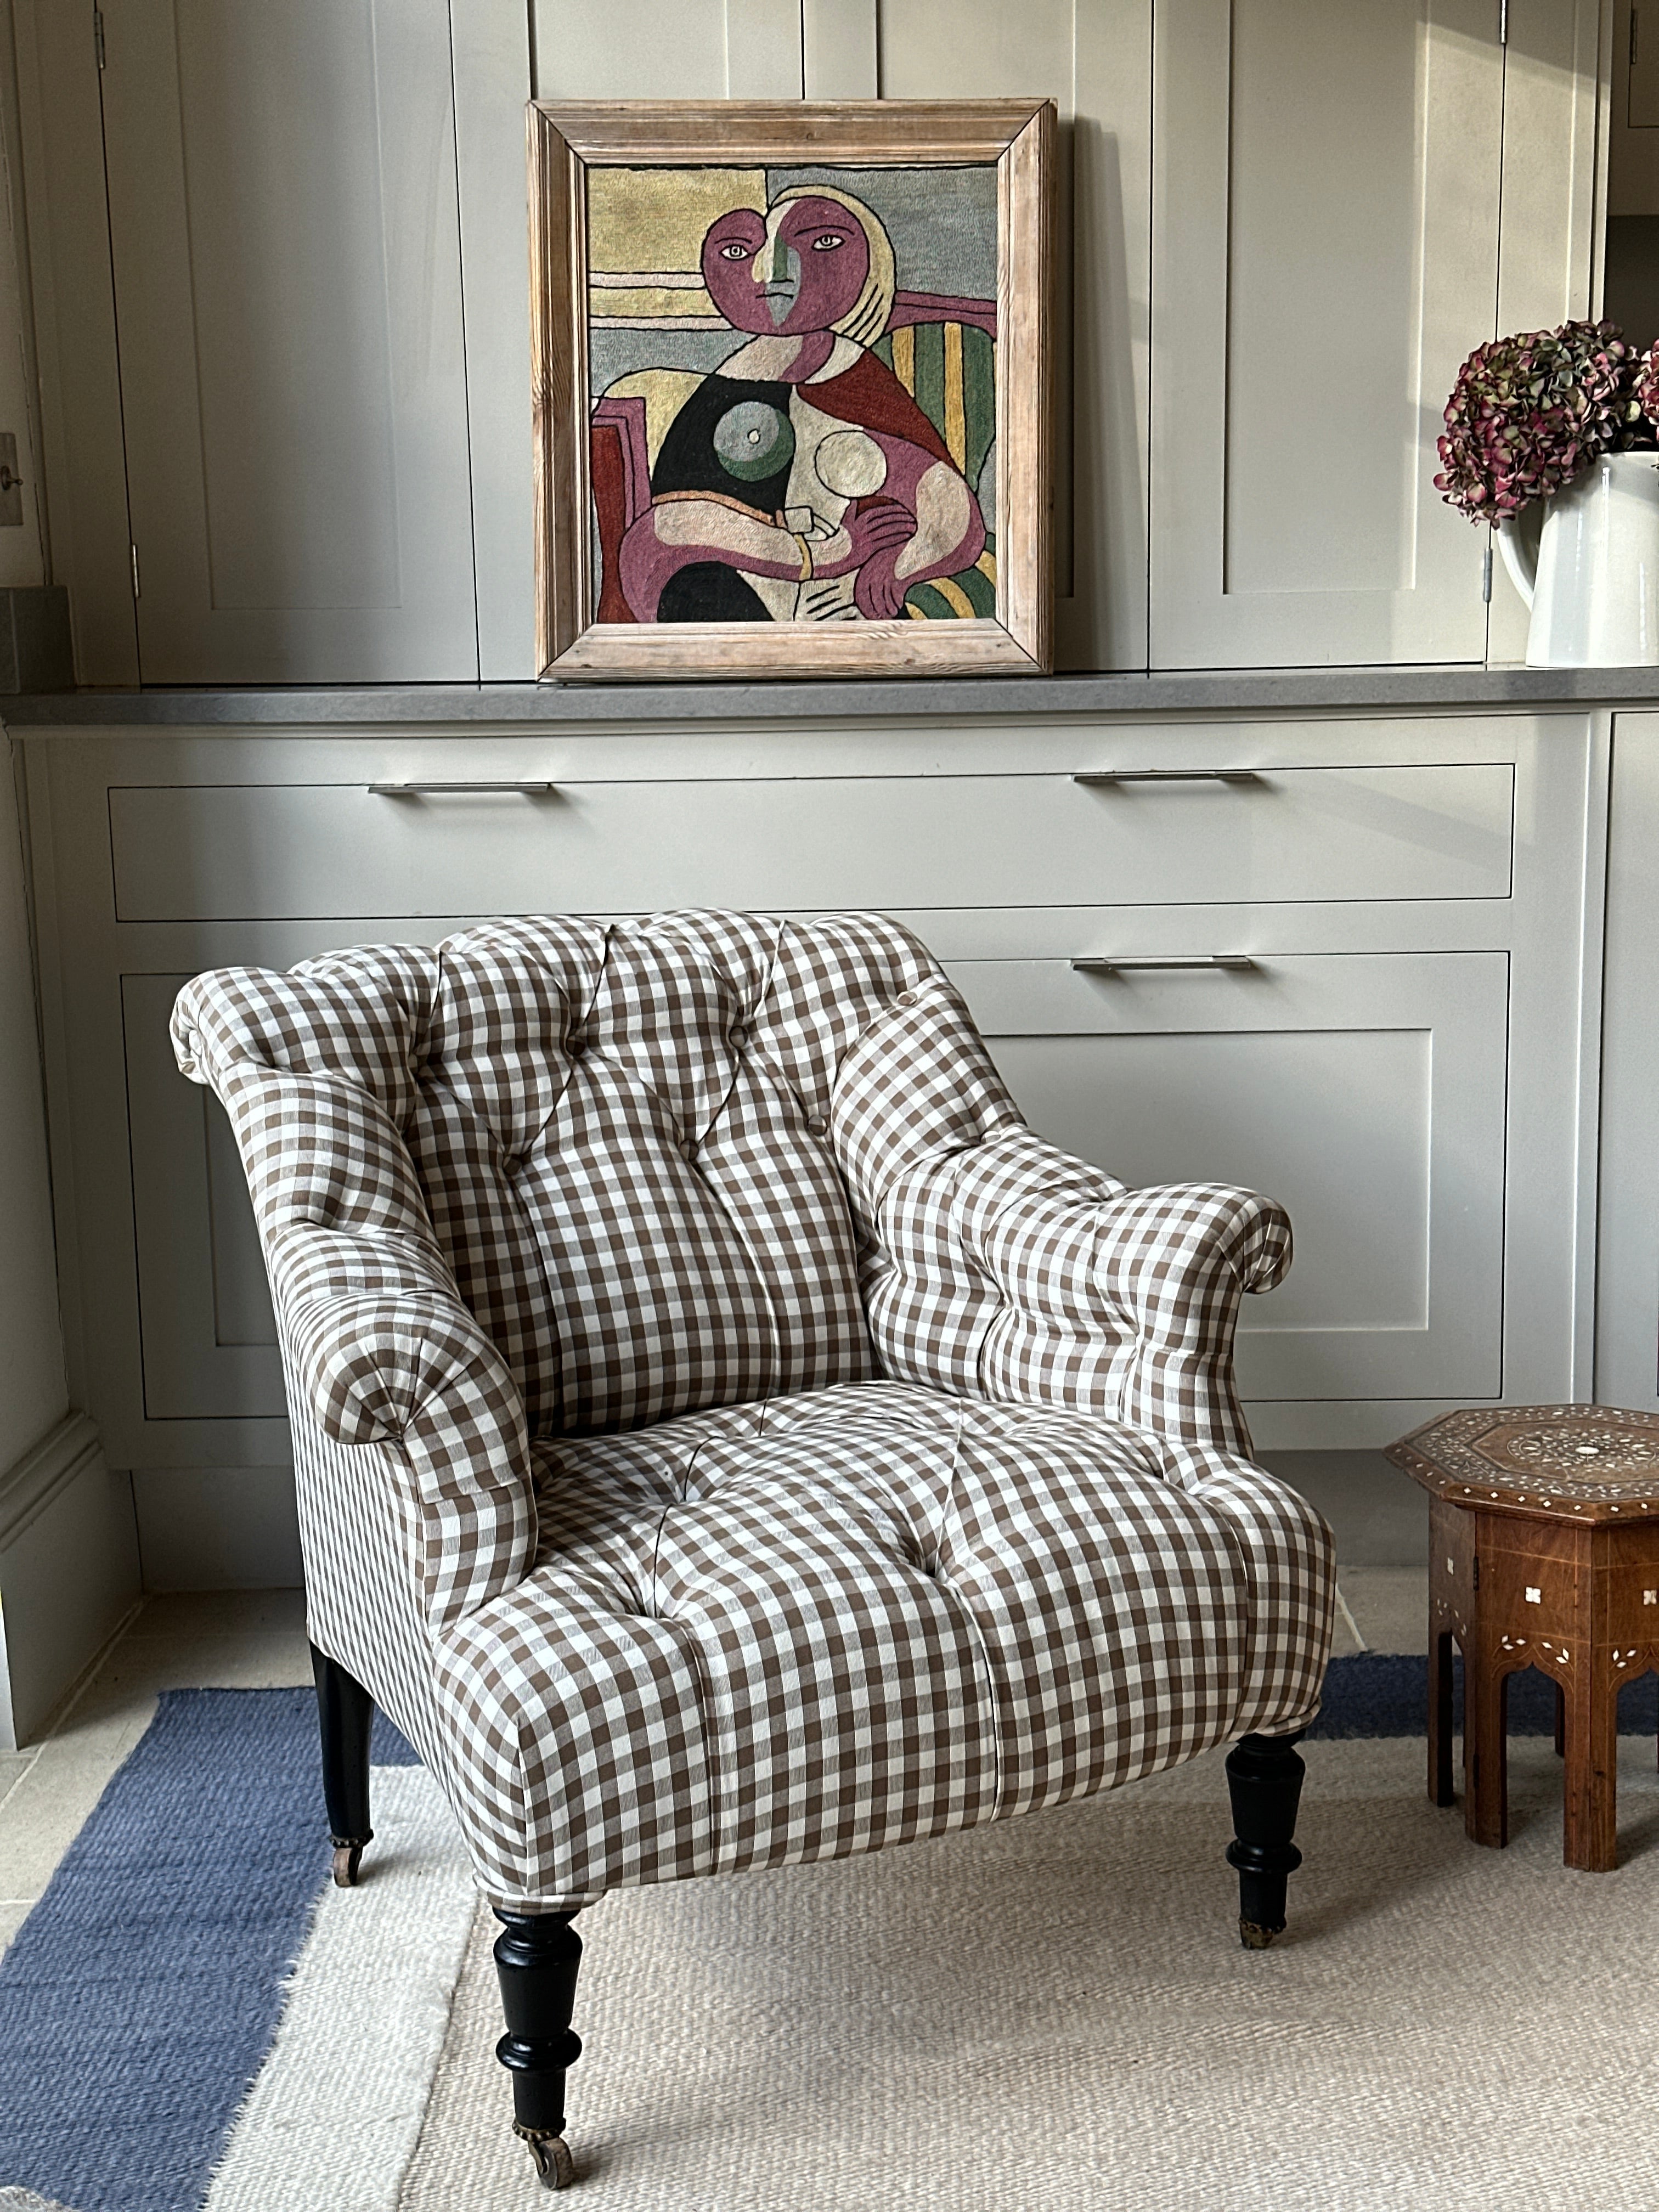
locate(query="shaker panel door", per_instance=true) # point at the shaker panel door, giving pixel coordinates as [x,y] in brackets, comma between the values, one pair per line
[284,224]
[1326,252]
[1363,1092]
[209,1335]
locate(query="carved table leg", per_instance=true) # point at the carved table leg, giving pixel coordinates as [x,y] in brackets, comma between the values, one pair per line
[1590,1839]
[1486,1747]
[345,1712]
[1264,1781]
[1440,1719]
[536,1957]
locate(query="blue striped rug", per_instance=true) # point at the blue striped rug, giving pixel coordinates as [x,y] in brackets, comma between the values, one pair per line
[141,1993]
[143,2002]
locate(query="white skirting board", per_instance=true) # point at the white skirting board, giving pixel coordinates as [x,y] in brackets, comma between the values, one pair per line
[69,1571]
[217,1528]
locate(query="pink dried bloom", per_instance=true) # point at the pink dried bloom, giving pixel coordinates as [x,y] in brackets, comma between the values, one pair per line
[1528,413]
[1647,383]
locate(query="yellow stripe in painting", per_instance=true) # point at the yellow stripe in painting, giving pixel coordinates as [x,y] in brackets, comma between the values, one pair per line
[954,597]
[956,426]
[987,565]
[914,613]
[904,356]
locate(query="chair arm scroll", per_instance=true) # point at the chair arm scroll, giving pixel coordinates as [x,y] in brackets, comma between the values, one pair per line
[386,1354]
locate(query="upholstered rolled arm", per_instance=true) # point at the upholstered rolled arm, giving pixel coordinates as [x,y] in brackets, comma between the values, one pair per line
[999,1267]
[382,1352]
[386,1354]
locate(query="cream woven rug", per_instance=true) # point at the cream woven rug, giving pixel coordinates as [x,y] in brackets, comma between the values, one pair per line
[1054,2014]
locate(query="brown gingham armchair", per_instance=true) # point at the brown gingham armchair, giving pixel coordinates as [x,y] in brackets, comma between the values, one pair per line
[727,1436]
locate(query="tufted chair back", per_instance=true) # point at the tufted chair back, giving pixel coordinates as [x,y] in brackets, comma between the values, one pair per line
[622,1135]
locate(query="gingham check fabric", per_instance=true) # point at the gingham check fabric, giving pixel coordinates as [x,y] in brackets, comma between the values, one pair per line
[725,1434]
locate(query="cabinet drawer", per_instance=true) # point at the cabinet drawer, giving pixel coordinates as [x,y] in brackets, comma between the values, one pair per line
[1364,1091]
[295,852]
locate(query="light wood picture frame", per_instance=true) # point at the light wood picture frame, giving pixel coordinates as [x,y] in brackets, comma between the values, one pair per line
[760,451]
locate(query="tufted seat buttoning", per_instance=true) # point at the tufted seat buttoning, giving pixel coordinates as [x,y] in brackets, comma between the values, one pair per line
[816,1126]
[908,999]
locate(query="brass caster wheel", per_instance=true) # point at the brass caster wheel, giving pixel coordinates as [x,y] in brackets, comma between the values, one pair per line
[549,2155]
[348,1857]
[1254,1937]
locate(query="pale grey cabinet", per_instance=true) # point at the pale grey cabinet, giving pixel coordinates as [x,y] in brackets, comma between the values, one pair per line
[1409,1062]
[1326,236]
[286,244]
[1282,224]
[1347,200]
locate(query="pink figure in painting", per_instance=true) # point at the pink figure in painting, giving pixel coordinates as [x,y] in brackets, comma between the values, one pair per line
[799,480]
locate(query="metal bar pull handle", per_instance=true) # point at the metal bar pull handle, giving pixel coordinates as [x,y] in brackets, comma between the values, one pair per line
[483,784]
[1168,776]
[1235,961]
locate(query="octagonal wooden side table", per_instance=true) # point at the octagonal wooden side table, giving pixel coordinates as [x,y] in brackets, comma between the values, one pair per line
[1543,1552]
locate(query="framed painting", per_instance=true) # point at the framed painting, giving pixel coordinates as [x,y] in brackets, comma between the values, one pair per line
[792,388]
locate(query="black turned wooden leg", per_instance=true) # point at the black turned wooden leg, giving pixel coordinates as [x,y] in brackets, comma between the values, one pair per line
[1264,1780]
[346,1713]
[536,1956]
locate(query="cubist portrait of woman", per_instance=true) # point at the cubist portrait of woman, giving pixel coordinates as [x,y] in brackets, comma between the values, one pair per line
[794,383]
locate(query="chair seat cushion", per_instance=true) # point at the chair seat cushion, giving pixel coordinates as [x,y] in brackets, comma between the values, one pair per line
[823,1623]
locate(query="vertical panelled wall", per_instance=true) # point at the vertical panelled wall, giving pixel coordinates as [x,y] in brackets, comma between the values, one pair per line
[1094,61]
[1284,222]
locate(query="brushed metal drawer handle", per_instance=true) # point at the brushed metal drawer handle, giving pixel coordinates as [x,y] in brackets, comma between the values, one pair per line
[1168,776]
[1237,962]
[420,790]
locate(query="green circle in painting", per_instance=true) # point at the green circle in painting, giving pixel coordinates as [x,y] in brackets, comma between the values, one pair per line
[753,439]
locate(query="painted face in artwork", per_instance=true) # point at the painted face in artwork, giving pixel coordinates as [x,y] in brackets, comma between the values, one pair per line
[799,268]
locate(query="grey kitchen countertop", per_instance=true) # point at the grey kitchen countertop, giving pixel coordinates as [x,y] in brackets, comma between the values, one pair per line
[1256,691]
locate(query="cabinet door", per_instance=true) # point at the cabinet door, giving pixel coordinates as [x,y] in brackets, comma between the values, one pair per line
[1325,254]
[284,220]
[1364,1091]
[1096,63]
[208,1333]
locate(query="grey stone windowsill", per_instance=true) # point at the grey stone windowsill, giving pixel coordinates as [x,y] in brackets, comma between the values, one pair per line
[1206,691]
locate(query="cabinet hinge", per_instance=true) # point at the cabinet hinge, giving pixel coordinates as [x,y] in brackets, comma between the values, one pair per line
[135,593]
[1503,22]
[98,35]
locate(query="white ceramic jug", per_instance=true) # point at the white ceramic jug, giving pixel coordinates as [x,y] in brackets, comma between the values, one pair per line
[1592,582]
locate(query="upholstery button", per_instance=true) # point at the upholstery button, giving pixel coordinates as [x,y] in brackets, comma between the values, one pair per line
[816,1126]
[908,999]
[575,1047]
[740,1033]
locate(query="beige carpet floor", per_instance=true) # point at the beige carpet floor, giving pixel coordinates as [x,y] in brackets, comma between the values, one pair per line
[1054,2015]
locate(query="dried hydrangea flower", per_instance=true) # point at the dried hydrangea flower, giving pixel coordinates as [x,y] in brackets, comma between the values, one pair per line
[1528,414]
